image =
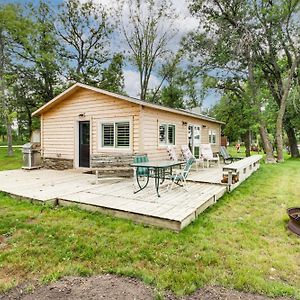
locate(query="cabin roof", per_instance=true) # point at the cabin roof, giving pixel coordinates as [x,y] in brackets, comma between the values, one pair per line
[78,86]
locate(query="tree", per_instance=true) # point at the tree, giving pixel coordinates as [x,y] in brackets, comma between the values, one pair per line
[85,32]
[35,67]
[148,34]
[257,38]
[112,77]
[235,109]
[179,86]
[8,17]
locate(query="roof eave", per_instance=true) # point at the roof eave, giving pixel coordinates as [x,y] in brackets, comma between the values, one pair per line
[72,88]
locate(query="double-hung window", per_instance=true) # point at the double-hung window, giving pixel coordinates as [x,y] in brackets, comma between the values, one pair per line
[212,137]
[115,135]
[167,134]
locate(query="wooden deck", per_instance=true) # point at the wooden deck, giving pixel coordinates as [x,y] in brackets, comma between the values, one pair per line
[207,175]
[175,209]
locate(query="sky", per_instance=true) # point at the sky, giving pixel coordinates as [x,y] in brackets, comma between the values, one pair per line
[185,23]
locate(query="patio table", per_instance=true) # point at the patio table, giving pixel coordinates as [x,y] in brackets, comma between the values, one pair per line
[159,172]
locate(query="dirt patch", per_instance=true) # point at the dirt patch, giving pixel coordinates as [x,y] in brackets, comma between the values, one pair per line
[219,293]
[3,242]
[114,288]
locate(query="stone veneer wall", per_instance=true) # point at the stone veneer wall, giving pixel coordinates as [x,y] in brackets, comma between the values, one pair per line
[57,163]
[111,160]
[113,164]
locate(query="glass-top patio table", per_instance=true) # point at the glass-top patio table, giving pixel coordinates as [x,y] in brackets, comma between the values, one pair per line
[158,169]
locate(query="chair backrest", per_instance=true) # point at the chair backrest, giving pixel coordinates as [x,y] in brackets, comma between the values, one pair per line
[188,167]
[224,153]
[141,159]
[172,153]
[206,151]
[186,152]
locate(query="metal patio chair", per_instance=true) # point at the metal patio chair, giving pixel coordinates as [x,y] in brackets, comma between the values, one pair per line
[208,156]
[180,176]
[187,154]
[228,159]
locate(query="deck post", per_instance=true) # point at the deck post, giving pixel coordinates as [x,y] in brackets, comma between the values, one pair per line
[229,178]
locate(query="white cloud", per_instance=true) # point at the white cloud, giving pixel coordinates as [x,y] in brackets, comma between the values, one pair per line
[132,82]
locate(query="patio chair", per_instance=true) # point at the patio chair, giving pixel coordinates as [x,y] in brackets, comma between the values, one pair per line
[208,155]
[187,154]
[172,153]
[140,171]
[181,175]
[228,159]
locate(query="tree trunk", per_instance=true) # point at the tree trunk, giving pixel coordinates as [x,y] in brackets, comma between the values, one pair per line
[262,128]
[292,139]
[267,145]
[10,151]
[281,111]
[247,143]
[279,133]
[29,121]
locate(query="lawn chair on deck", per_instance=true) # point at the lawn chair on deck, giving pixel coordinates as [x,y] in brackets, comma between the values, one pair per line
[228,159]
[187,154]
[141,172]
[181,175]
[172,153]
[208,155]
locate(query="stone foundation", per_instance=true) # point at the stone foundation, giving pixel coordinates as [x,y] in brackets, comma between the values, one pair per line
[57,163]
[113,164]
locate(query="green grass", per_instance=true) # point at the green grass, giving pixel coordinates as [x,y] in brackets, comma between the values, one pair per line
[241,242]
[12,162]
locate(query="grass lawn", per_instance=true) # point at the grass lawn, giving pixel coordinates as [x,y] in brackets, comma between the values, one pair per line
[13,162]
[241,242]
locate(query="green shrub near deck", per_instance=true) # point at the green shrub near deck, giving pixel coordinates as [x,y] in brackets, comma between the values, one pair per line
[241,242]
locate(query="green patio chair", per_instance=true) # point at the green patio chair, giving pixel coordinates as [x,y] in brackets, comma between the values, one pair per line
[181,175]
[140,171]
[228,159]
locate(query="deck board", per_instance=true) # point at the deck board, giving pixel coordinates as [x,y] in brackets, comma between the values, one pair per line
[175,208]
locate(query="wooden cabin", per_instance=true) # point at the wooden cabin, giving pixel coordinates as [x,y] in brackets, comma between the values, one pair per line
[89,127]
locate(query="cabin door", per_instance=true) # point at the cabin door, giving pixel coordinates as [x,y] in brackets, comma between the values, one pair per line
[194,140]
[84,144]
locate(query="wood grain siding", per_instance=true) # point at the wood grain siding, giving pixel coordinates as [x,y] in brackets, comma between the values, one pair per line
[59,123]
[153,117]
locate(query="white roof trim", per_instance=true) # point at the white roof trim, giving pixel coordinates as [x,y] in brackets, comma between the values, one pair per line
[51,103]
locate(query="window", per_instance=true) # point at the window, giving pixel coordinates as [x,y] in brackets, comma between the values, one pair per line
[166,134]
[212,137]
[163,134]
[115,135]
[108,136]
[122,134]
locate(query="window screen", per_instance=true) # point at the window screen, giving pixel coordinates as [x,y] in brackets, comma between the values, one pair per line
[171,134]
[108,135]
[163,134]
[122,134]
[212,137]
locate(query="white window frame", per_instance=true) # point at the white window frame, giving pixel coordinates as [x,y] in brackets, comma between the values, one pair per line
[167,134]
[114,148]
[211,133]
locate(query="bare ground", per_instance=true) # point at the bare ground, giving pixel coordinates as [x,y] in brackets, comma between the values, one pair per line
[114,288]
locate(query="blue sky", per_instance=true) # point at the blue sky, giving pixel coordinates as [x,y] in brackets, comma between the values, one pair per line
[184,22]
